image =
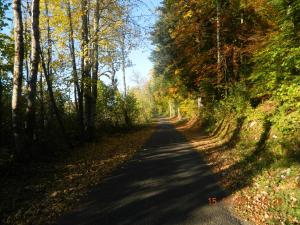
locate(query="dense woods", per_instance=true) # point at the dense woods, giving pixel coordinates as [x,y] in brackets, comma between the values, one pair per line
[235,64]
[231,57]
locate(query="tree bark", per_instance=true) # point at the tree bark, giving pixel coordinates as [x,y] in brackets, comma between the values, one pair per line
[48,62]
[42,108]
[95,68]
[86,76]
[77,90]
[26,41]
[113,77]
[35,49]
[17,74]
[1,104]
[123,61]
[218,37]
[123,55]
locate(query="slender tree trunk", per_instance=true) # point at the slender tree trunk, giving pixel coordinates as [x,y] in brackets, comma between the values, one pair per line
[46,66]
[78,90]
[113,77]
[53,102]
[49,41]
[218,37]
[86,76]
[42,109]
[170,109]
[76,99]
[35,48]
[1,104]
[27,40]
[179,113]
[95,68]
[242,9]
[123,63]
[48,62]
[18,74]
[219,57]
[123,55]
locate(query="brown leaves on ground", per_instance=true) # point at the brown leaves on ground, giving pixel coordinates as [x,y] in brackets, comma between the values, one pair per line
[263,196]
[40,193]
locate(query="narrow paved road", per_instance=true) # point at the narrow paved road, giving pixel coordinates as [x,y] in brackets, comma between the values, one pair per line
[165,183]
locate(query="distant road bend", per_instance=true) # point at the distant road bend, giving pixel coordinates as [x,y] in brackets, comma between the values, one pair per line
[167,182]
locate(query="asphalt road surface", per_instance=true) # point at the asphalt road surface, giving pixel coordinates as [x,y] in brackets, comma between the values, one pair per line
[167,182]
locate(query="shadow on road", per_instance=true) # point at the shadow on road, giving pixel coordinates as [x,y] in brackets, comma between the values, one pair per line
[165,183]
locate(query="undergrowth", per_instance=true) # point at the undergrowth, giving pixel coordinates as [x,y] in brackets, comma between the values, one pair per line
[255,151]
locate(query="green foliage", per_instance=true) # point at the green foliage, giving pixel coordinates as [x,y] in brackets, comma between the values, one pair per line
[276,64]
[144,104]
[4,5]
[159,90]
[130,107]
[113,109]
[236,102]
[287,118]
[189,108]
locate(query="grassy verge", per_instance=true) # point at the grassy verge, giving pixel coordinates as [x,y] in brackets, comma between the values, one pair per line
[37,193]
[264,185]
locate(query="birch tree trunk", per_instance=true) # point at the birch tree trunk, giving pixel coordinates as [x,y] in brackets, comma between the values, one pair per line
[95,67]
[18,74]
[86,76]
[123,61]
[123,55]
[35,48]
[27,40]
[78,91]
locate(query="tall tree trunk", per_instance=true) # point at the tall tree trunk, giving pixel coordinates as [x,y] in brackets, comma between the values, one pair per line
[219,57]
[86,76]
[35,48]
[1,104]
[171,114]
[48,62]
[42,108]
[113,78]
[218,37]
[53,102]
[95,67]
[123,55]
[27,51]
[49,41]
[46,66]
[77,90]
[123,62]
[18,74]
